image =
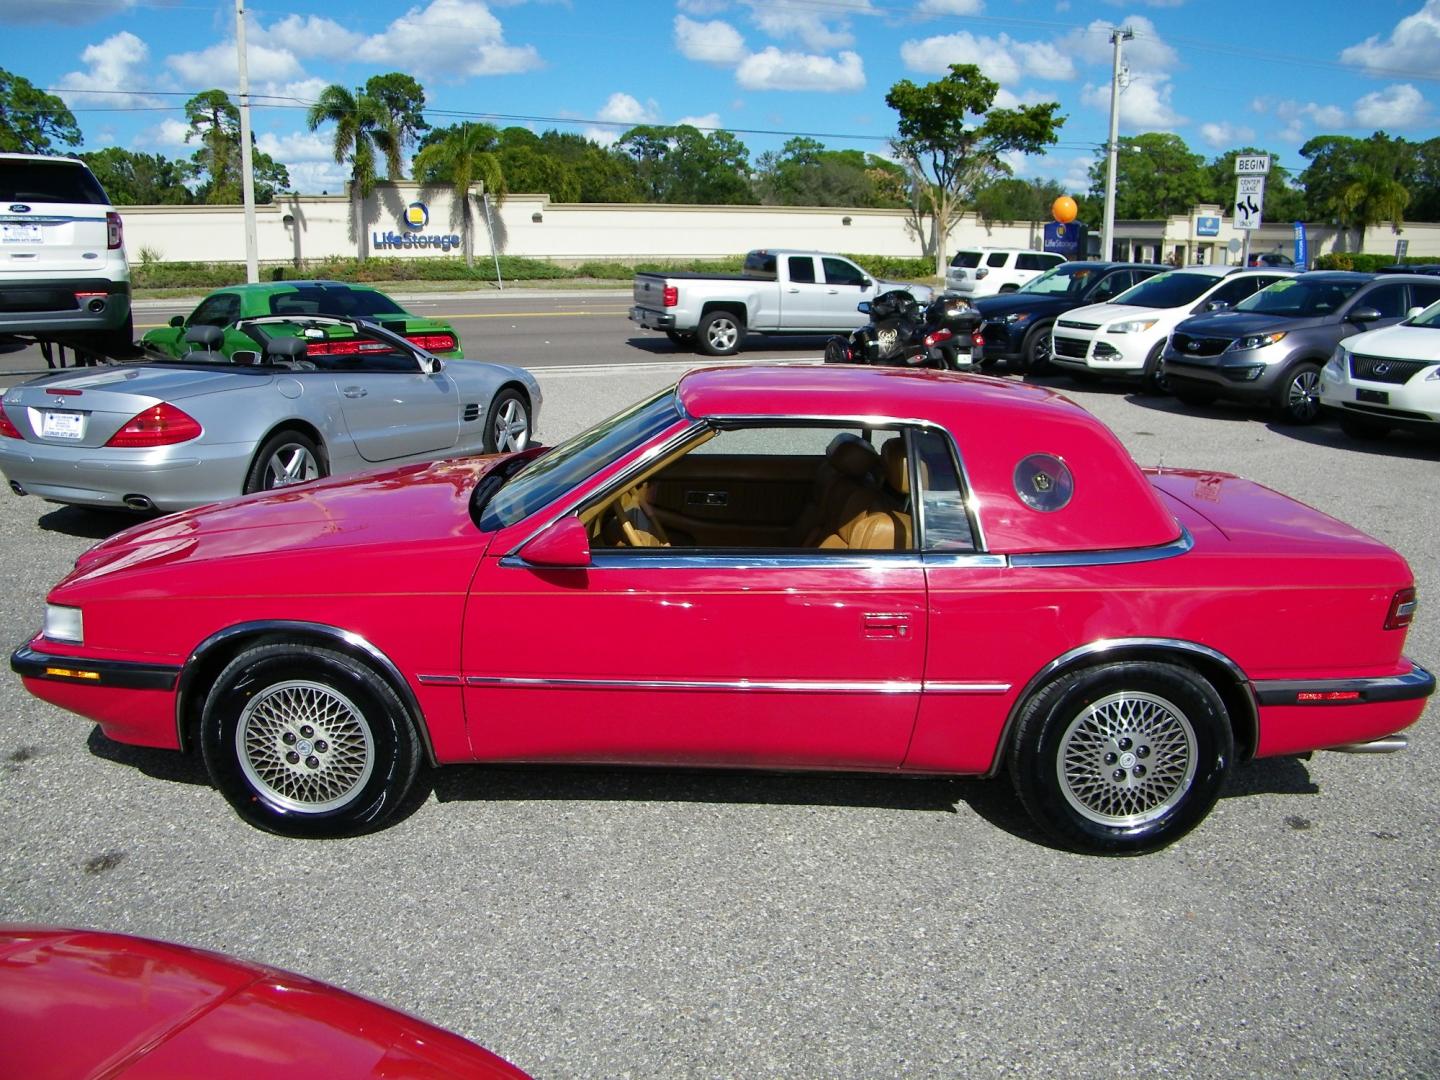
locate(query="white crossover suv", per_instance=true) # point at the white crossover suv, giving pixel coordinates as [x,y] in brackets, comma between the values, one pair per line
[63,274]
[977,272]
[1386,378]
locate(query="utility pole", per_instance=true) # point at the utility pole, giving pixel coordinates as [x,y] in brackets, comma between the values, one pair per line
[1112,148]
[247,172]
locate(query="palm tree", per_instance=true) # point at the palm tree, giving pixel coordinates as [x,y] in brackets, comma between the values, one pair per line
[1372,196]
[360,132]
[461,156]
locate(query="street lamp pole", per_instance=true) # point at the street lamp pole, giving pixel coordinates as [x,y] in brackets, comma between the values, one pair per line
[247,173]
[1112,148]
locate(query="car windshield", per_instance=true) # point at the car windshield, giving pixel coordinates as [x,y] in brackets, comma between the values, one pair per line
[967,259]
[1067,279]
[1429,318]
[1171,290]
[551,475]
[1299,299]
[315,300]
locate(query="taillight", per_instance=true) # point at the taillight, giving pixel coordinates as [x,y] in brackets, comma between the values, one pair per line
[433,342]
[9,430]
[160,425]
[345,347]
[672,295]
[977,339]
[933,339]
[1402,610]
[114,230]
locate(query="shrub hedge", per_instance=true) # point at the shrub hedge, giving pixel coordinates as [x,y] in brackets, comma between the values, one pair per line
[1365,263]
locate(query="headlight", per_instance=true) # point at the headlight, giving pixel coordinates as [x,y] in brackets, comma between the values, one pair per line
[1434,375]
[1335,366]
[1018,318]
[64,624]
[1134,326]
[1257,341]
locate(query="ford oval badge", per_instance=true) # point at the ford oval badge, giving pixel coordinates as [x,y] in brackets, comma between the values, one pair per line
[19,208]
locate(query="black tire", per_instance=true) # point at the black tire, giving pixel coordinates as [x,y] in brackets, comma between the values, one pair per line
[1122,758]
[1297,397]
[1152,377]
[1194,395]
[354,749]
[720,333]
[680,339]
[1362,427]
[507,423]
[285,458]
[1035,349]
[837,351]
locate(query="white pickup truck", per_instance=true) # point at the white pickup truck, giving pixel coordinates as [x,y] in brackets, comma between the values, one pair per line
[780,292]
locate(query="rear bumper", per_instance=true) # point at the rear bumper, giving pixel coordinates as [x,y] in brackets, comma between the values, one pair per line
[60,304]
[1299,716]
[652,319]
[171,478]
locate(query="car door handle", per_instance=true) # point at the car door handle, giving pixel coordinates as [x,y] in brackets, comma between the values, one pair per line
[793,289]
[834,292]
[354,391]
[886,624]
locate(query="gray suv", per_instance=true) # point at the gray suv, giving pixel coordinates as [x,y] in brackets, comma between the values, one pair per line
[1270,348]
[63,274]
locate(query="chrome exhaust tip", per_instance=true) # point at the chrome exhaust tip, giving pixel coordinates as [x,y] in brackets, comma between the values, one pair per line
[138,502]
[1388,745]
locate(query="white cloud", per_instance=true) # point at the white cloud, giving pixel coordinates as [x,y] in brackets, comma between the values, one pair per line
[818,28]
[297,146]
[1144,104]
[27,11]
[1225,135]
[1001,58]
[1146,51]
[1399,106]
[710,42]
[624,109]
[1298,116]
[303,35]
[459,38]
[219,66]
[776,70]
[315,177]
[707,123]
[1044,61]
[169,134]
[702,7]
[951,7]
[1414,45]
[302,92]
[119,63]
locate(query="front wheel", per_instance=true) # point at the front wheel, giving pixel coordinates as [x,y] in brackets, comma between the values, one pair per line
[507,424]
[1297,398]
[1036,349]
[720,333]
[1152,378]
[307,742]
[286,458]
[1122,758]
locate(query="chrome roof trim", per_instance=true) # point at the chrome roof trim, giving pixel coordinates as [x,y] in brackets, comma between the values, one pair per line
[715,558]
[1117,557]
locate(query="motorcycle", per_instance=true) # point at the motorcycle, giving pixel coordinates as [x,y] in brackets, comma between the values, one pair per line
[943,334]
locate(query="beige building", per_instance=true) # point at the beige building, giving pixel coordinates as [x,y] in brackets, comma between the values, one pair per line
[409,220]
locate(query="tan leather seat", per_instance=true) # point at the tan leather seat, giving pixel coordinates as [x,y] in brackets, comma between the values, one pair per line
[884,523]
[844,487]
[638,525]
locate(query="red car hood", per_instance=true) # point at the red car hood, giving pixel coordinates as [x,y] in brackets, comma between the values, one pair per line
[427,501]
[80,1003]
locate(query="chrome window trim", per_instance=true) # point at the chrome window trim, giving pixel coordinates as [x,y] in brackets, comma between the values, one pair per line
[1099,649]
[964,560]
[1116,557]
[281,626]
[716,558]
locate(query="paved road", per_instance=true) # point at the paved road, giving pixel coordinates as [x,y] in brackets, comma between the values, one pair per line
[655,924]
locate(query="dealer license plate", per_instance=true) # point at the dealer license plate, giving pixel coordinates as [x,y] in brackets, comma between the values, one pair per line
[1377,397]
[20,234]
[62,425]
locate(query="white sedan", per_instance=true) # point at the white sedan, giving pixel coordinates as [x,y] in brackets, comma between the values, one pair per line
[1386,378]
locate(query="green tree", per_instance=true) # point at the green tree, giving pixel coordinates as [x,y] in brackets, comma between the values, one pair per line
[1009,200]
[460,156]
[133,179]
[1425,188]
[604,175]
[360,134]
[1156,175]
[952,141]
[215,166]
[1357,183]
[401,102]
[32,121]
[681,164]
[804,173]
[1283,200]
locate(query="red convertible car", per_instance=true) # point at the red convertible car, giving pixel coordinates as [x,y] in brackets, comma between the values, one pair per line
[86,1005]
[787,568]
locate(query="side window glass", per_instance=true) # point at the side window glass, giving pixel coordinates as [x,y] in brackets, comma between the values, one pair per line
[840,272]
[946,520]
[1424,295]
[802,269]
[1048,262]
[1111,285]
[1026,261]
[997,258]
[1232,292]
[1389,300]
[219,311]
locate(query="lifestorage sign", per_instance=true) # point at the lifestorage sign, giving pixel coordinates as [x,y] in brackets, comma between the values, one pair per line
[417,216]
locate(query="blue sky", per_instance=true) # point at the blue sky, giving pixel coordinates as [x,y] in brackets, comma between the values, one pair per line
[1220,73]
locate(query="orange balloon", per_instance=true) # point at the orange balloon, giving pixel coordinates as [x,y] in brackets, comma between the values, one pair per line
[1064,209]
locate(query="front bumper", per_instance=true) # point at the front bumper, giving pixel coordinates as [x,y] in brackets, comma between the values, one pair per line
[1249,374]
[1103,354]
[652,319]
[1413,404]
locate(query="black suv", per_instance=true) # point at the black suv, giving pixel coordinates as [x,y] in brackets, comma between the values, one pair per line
[1017,325]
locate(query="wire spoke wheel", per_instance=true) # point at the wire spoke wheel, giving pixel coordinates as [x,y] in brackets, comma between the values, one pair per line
[1127,759]
[305,746]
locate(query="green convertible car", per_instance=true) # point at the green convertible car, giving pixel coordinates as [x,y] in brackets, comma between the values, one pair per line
[224,306]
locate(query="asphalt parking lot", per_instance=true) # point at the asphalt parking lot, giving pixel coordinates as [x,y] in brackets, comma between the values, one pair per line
[613,922]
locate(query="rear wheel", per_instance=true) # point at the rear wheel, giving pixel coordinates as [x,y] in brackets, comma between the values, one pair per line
[286,458]
[1036,348]
[1122,758]
[1152,378]
[1360,427]
[1297,398]
[720,333]
[507,425]
[304,741]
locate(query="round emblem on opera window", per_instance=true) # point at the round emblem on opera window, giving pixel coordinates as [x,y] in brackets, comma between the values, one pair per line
[417,215]
[1044,482]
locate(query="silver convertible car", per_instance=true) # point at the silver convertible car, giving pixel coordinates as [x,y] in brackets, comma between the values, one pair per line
[318,396]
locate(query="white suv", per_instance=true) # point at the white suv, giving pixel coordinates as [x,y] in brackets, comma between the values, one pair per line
[63,274]
[986,271]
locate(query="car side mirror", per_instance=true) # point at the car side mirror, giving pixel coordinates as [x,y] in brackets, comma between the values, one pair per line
[562,545]
[866,283]
[177,320]
[432,365]
[1413,312]
[1217,305]
[1364,315]
[863,307]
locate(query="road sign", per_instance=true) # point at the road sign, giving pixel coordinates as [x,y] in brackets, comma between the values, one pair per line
[1252,165]
[1249,201]
[1402,248]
